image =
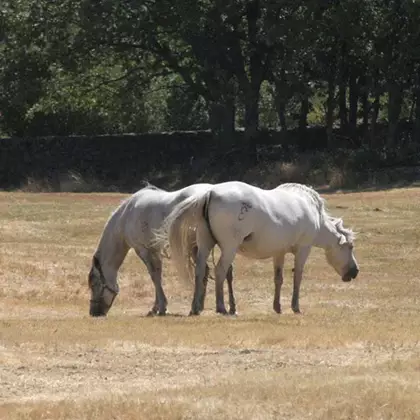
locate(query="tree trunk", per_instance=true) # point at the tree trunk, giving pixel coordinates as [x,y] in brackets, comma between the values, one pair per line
[281,111]
[251,122]
[416,132]
[375,108]
[342,105]
[394,111]
[228,125]
[251,87]
[222,121]
[363,90]
[416,135]
[364,99]
[280,100]
[374,120]
[353,102]
[342,88]
[329,116]
[303,115]
[251,112]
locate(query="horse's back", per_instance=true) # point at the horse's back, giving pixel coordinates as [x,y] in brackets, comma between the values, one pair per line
[265,220]
[275,205]
[184,193]
[147,209]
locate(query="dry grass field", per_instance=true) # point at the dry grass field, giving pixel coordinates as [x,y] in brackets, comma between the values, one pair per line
[354,353]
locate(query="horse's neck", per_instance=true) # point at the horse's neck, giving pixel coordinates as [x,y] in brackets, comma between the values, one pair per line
[327,236]
[112,248]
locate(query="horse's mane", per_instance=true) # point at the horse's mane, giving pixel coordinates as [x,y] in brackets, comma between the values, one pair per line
[347,232]
[148,186]
[313,195]
[321,207]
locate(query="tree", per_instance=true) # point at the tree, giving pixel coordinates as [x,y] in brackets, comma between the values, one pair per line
[106,66]
[24,67]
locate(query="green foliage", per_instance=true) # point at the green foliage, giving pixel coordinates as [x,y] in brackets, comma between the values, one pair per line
[72,105]
[155,105]
[185,111]
[23,66]
[107,66]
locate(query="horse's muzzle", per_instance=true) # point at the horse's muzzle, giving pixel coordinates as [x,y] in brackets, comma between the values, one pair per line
[351,274]
[98,309]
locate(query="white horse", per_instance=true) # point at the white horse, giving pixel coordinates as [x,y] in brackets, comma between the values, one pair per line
[258,224]
[132,225]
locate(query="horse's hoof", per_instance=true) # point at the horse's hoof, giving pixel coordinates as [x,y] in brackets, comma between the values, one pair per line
[193,313]
[162,313]
[277,308]
[222,311]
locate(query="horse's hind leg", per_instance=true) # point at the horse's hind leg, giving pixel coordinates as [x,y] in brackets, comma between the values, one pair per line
[232,303]
[229,278]
[205,278]
[201,274]
[205,282]
[278,263]
[222,267]
[153,264]
[205,243]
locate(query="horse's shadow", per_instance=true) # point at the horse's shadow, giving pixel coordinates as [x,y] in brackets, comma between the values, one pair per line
[180,315]
[167,315]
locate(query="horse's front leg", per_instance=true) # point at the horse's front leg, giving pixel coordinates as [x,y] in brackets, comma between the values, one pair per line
[278,263]
[153,264]
[300,259]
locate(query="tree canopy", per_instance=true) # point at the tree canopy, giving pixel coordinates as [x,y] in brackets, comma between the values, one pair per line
[107,66]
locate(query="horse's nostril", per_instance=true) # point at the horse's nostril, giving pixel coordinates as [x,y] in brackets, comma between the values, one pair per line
[97,313]
[96,310]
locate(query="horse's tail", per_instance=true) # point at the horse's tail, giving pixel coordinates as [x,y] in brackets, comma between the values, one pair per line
[178,231]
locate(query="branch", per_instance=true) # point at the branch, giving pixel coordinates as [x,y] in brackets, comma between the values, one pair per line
[124,44]
[166,54]
[124,76]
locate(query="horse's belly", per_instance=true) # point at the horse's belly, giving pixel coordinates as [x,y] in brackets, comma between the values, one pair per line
[260,248]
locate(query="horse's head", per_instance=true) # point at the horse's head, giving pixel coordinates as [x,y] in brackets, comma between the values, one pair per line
[102,295]
[340,253]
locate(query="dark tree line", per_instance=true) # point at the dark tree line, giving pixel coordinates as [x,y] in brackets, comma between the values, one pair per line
[136,65]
